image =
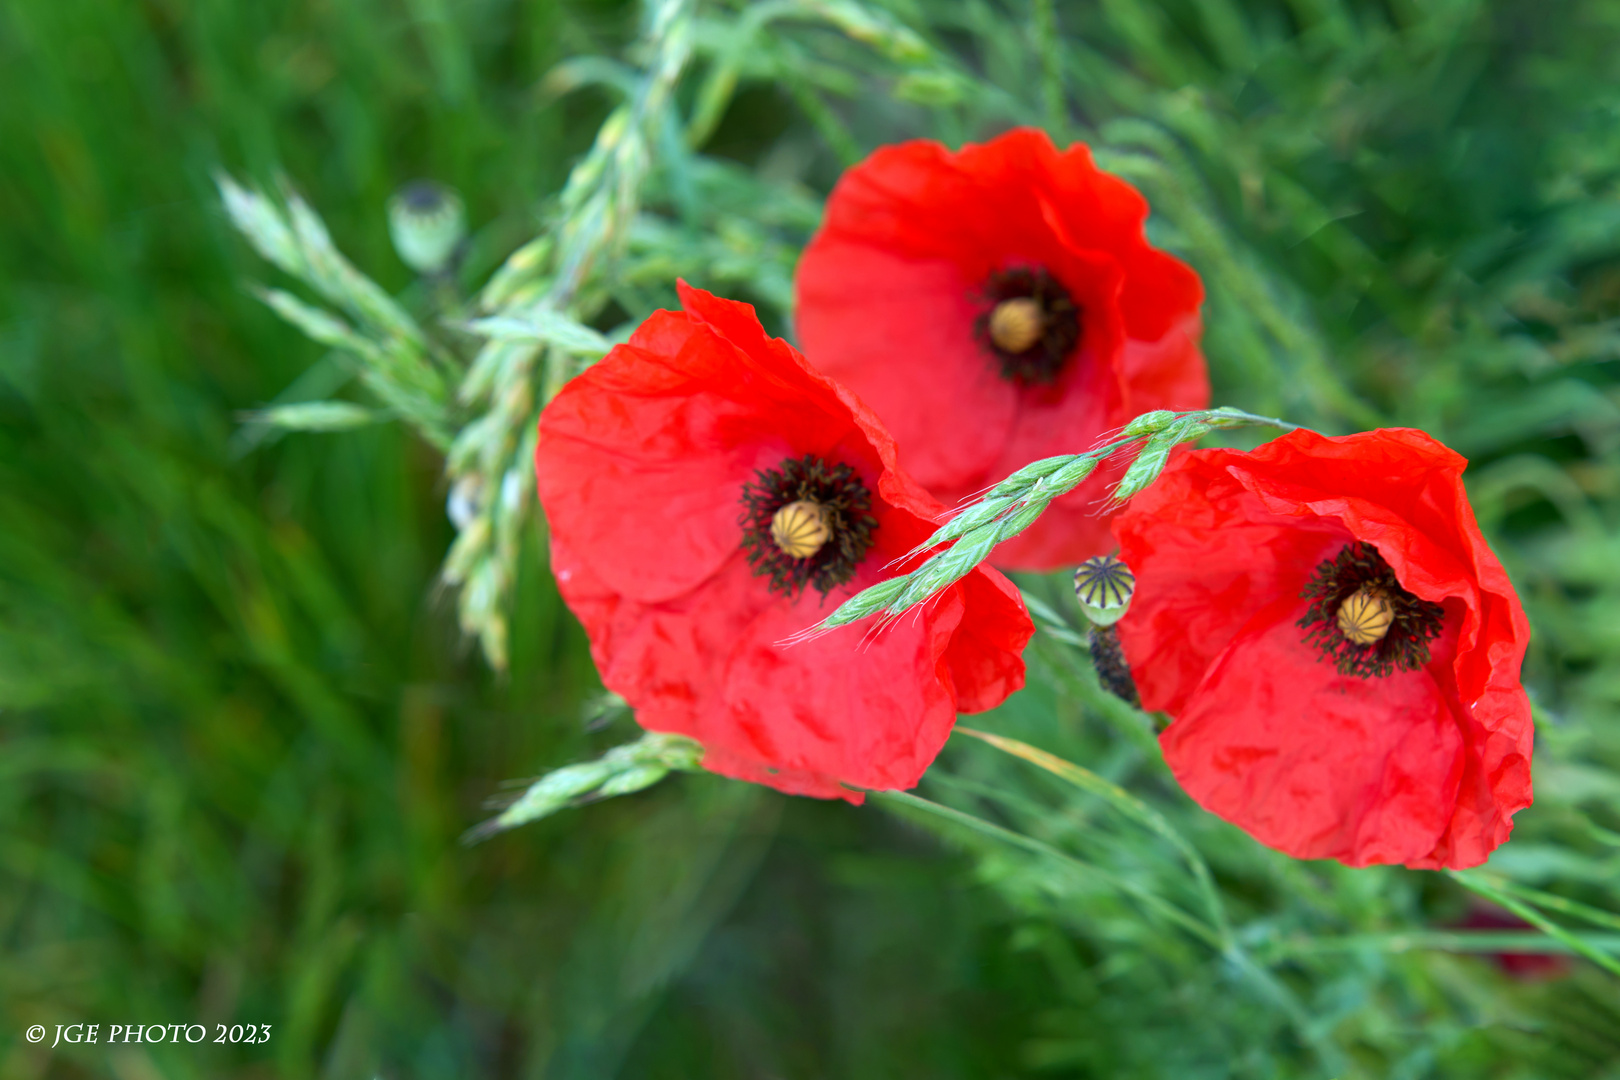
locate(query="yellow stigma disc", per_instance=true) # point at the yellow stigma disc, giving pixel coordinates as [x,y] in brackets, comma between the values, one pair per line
[1365,617]
[800,529]
[1016,325]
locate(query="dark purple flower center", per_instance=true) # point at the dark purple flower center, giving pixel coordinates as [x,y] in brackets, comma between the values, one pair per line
[1029,323]
[806,523]
[1363,620]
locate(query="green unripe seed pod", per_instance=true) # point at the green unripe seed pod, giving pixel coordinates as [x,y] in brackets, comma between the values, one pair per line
[1104,586]
[427,222]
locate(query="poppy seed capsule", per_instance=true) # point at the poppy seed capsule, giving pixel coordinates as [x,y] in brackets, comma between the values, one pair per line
[800,529]
[1365,617]
[1104,586]
[1017,324]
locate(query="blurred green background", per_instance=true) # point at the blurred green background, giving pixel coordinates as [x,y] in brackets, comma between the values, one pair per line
[240,732]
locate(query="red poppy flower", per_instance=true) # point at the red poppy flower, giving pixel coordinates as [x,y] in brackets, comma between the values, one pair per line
[1337,645]
[996,306]
[709,495]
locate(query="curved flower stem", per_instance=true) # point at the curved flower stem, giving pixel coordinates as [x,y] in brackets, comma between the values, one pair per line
[1014,504]
[1187,922]
[1489,889]
[1058,655]
[1263,981]
[1228,417]
[1595,916]
[1125,803]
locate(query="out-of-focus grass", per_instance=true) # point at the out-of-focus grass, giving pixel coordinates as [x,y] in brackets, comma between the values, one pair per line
[238,732]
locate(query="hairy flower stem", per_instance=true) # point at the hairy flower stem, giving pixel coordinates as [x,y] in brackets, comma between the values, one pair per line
[1109,659]
[1014,504]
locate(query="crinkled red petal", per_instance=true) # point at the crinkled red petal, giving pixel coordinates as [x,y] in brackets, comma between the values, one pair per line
[1313,763]
[678,623]
[888,295]
[1225,535]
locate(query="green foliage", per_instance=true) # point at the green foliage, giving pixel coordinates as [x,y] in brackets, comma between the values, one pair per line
[238,735]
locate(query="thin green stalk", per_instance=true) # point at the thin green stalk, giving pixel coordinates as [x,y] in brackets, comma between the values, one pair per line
[1048,46]
[1029,807]
[1263,980]
[1576,942]
[1080,679]
[1174,914]
[1128,805]
[1332,1059]
[1595,916]
[1457,941]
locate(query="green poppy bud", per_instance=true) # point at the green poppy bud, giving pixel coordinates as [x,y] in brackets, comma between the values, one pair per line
[427,222]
